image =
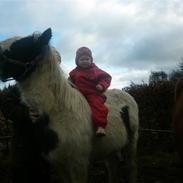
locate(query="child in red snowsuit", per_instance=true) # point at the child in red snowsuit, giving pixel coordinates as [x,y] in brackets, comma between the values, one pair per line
[92,82]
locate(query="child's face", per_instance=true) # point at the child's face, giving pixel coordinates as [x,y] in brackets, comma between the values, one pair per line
[84,61]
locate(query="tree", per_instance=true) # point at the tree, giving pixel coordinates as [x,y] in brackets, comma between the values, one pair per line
[156,76]
[177,73]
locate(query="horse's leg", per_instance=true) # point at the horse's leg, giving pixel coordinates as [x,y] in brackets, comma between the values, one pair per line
[79,172]
[70,171]
[131,156]
[130,120]
[112,165]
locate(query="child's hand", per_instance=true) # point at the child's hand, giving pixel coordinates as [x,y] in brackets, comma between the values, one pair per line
[99,87]
[74,86]
[71,83]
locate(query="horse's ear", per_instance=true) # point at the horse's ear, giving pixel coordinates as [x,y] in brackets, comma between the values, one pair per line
[45,37]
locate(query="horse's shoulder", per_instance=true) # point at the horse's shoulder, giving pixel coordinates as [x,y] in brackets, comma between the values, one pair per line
[117,93]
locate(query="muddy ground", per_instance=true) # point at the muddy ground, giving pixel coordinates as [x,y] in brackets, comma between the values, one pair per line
[157,162]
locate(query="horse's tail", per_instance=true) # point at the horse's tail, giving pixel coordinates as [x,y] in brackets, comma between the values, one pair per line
[131,123]
[125,117]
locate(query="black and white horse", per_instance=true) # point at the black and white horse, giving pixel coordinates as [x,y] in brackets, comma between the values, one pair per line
[34,64]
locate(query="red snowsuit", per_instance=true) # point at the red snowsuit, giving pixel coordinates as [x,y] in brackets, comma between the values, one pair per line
[86,81]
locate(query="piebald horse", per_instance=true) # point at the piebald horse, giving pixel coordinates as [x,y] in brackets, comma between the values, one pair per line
[35,65]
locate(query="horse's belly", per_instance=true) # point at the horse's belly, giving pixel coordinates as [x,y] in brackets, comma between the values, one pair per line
[104,146]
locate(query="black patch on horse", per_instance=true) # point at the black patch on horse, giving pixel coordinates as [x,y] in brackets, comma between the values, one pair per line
[25,49]
[30,142]
[45,138]
[22,57]
[125,117]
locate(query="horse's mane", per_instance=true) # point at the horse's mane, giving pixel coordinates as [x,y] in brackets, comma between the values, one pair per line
[67,97]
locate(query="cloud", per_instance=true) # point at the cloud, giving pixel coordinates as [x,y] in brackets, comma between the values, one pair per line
[127,76]
[137,35]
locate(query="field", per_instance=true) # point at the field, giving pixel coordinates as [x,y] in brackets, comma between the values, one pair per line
[156,157]
[157,160]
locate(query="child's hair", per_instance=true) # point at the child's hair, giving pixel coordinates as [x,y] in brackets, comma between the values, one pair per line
[83,51]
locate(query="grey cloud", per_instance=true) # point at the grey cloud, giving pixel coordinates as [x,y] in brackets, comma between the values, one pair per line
[149,37]
[158,48]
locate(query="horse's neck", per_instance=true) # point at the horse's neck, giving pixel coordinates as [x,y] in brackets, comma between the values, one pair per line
[33,89]
[48,86]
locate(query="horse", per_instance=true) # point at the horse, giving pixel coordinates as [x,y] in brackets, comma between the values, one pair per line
[178,119]
[35,65]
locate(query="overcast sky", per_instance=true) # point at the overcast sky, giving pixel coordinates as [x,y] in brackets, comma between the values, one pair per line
[129,38]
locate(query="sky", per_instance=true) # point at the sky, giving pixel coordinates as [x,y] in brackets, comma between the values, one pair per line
[128,38]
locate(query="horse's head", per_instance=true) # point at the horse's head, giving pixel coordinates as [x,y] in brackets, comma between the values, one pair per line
[19,56]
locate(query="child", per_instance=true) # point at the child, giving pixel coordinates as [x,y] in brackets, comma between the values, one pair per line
[92,82]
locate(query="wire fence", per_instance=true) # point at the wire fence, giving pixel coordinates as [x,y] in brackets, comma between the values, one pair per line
[155,130]
[5,140]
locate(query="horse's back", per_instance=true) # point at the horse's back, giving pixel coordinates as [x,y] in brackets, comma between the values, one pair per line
[117,100]
[120,98]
